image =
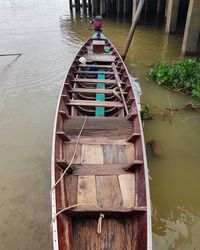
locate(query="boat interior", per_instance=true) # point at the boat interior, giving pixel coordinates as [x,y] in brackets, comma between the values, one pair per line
[105,182]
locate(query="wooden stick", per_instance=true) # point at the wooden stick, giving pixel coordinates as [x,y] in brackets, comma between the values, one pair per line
[10,54]
[132,29]
[120,87]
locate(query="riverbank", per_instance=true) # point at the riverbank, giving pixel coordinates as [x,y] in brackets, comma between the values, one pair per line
[183,76]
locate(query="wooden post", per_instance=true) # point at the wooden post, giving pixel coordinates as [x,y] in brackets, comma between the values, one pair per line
[132,29]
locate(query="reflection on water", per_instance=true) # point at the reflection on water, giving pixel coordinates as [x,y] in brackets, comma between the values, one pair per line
[48,38]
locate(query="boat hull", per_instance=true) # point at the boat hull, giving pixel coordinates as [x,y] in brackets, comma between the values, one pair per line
[100,188]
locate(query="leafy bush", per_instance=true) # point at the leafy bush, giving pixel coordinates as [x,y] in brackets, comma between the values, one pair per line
[183,76]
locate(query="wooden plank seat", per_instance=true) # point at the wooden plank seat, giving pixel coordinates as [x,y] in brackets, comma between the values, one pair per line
[100,58]
[93,91]
[87,80]
[95,103]
[95,72]
[99,169]
[108,212]
[96,66]
[100,129]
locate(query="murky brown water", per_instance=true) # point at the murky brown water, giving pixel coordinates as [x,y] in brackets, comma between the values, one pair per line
[48,39]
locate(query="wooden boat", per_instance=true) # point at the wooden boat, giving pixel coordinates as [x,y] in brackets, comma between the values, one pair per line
[100,189]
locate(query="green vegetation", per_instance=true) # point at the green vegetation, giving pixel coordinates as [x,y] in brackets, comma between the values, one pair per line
[183,76]
[145,111]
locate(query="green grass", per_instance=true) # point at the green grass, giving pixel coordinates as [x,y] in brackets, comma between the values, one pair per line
[183,76]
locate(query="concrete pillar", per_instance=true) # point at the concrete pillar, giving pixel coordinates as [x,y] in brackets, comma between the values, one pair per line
[119,7]
[70,5]
[77,5]
[192,28]
[125,7]
[94,7]
[103,7]
[166,8]
[90,6]
[84,6]
[161,6]
[172,14]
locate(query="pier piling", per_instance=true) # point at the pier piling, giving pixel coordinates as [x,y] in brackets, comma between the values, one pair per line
[171,10]
[192,28]
[172,15]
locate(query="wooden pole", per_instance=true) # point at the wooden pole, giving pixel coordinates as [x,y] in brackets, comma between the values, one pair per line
[132,29]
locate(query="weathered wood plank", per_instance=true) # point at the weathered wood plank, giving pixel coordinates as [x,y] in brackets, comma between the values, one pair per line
[114,154]
[127,186]
[94,91]
[100,58]
[130,150]
[108,192]
[92,154]
[100,169]
[94,72]
[95,66]
[69,149]
[113,134]
[107,123]
[87,191]
[71,188]
[116,234]
[95,103]
[103,141]
[84,80]
[92,212]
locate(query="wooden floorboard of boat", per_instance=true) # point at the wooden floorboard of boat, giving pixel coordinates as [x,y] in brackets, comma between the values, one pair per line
[116,234]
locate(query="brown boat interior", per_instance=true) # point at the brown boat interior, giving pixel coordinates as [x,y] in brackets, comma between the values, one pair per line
[106,178]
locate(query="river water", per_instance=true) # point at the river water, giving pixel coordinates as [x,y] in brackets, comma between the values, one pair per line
[46,36]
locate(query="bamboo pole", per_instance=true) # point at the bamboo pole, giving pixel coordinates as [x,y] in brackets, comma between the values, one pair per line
[132,29]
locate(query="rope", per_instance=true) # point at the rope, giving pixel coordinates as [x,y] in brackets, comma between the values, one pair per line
[67,208]
[99,226]
[72,156]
